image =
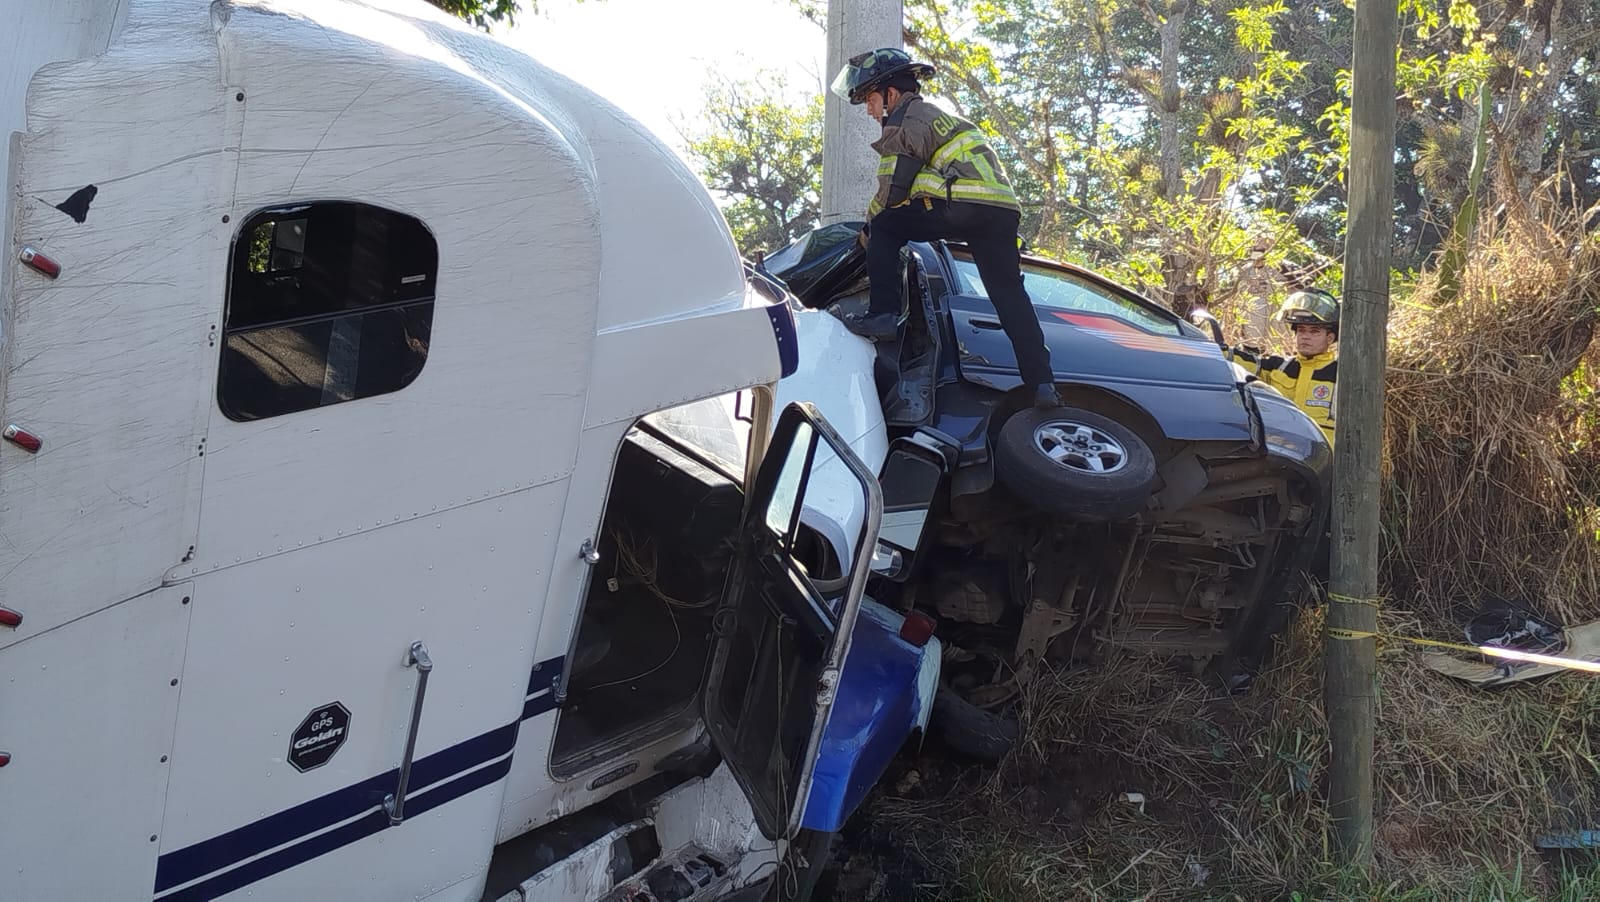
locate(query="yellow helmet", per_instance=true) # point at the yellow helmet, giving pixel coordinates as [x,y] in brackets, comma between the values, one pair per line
[1311,307]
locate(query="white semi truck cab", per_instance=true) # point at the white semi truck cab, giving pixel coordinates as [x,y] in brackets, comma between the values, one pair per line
[392,499]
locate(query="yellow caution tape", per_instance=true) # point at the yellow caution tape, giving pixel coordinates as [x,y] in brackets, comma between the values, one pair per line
[1509,654]
[1346,599]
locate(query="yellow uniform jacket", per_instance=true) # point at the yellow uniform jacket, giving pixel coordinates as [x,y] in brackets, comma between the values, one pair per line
[1307,381]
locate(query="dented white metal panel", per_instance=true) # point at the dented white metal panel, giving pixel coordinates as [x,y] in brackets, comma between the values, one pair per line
[395,121]
[709,815]
[86,712]
[712,812]
[690,358]
[315,527]
[35,34]
[585,874]
[110,363]
[276,640]
[836,374]
[666,248]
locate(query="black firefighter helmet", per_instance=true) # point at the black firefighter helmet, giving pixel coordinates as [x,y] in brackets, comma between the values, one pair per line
[867,72]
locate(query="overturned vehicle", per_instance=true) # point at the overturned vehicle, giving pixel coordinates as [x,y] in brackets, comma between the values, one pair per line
[1171,508]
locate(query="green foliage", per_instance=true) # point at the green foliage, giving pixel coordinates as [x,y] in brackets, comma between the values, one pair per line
[1455,248]
[484,13]
[814,10]
[764,156]
[1077,97]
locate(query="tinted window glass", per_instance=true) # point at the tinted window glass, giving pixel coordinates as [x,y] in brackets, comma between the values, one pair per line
[1060,290]
[327,302]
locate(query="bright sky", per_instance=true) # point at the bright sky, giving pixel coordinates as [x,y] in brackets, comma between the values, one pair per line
[653,58]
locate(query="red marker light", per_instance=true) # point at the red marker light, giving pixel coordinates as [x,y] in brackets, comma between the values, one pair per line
[10,618]
[22,438]
[40,263]
[917,629]
[5,758]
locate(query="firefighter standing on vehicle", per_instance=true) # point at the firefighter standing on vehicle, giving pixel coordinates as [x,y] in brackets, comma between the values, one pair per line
[1308,377]
[939,178]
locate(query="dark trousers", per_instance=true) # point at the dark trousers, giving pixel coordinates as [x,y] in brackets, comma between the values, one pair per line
[991,234]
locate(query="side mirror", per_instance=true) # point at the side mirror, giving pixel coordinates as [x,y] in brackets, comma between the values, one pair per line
[911,479]
[1202,317]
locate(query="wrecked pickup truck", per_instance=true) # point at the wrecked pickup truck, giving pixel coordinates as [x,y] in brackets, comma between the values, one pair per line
[1169,509]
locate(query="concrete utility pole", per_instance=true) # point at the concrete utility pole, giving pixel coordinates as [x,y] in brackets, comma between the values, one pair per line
[1353,609]
[849,168]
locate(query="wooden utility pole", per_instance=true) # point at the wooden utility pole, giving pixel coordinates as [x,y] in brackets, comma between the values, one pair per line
[1352,610]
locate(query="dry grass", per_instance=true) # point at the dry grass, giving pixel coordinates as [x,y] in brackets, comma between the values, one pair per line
[1486,494]
[1492,476]
[1235,793]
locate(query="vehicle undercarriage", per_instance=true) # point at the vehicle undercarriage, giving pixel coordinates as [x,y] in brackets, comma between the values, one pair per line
[1206,578]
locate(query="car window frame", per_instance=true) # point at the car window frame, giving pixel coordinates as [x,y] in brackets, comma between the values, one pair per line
[959,253]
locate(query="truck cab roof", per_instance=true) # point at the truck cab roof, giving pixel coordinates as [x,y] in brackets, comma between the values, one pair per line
[397,85]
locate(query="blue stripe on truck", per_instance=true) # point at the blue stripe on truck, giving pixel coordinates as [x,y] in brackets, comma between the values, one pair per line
[787,338]
[435,780]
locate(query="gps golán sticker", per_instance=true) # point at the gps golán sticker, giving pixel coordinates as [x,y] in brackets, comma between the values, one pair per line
[319,736]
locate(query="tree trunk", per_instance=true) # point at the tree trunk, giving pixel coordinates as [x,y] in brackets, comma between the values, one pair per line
[1548,53]
[1171,30]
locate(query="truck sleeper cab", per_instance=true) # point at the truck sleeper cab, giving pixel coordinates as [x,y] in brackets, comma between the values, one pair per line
[346,328]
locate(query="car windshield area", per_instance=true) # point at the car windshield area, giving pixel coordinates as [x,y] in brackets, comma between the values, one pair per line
[1058,290]
[807,248]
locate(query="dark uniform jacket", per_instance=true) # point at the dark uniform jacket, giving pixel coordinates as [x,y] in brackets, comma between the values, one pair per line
[926,152]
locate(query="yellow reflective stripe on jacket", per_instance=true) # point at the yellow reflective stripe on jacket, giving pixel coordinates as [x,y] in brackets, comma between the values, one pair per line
[956,148]
[971,147]
[931,184]
[1312,395]
[885,170]
[965,155]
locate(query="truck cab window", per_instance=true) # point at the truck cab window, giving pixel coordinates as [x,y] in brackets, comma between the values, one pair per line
[709,429]
[327,302]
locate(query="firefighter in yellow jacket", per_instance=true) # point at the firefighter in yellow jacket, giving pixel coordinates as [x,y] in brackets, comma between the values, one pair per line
[1308,377]
[939,178]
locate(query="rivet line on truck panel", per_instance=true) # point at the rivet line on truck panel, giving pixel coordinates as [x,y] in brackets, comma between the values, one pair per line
[542,480]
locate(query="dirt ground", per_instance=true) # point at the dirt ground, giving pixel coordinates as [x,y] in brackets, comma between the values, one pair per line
[1140,781]
[913,837]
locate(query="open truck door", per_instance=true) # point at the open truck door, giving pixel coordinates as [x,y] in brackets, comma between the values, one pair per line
[783,629]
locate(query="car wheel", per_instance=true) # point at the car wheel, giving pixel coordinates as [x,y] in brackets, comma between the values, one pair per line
[1075,463]
[970,730]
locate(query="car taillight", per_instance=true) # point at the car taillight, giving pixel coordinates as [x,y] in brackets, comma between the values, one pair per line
[917,628]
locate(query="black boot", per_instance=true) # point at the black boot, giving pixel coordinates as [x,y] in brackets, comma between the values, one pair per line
[1047,396]
[873,326]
